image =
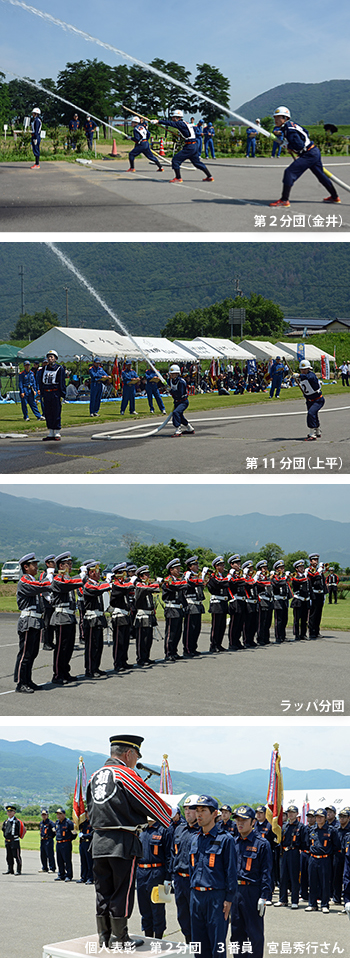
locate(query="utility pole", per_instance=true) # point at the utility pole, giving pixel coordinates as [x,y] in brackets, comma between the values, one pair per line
[21,274]
[66,288]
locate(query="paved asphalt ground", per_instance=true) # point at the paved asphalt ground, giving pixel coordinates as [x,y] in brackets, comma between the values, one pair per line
[36,910]
[302,672]
[68,197]
[272,431]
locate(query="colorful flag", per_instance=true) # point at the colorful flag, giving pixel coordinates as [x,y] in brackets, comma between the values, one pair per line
[166,785]
[115,374]
[79,814]
[305,810]
[300,351]
[274,809]
[325,370]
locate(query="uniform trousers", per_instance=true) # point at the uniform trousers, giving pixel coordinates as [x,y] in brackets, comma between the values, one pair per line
[304,875]
[65,636]
[48,630]
[209,145]
[189,152]
[128,396]
[29,643]
[173,627]
[47,857]
[338,870]
[290,867]
[250,625]
[114,886]
[30,399]
[178,414]
[235,628]
[315,615]
[300,614]
[121,639]
[144,148]
[153,921]
[276,384]
[208,925]
[245,920]
[36,148]
[320,870]
[52,409]
[13,854]
[95,396]
[182,898]
[311,160]
[144,639]
[264,624]
[332,591]
[191,632]
[251,143]
[153,393]
[86,872]
[313,409]
[218,626]
[281,619]
[93,638]
[64,859]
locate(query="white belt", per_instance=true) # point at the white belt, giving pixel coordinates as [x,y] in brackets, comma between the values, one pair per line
[26,612]
[62,608]
[91,615]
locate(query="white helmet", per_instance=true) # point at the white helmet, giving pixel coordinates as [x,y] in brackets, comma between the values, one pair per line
[175,369]
[51,352]
[191,801]
[178,113]
[36,110]
[135,119]
[282,111]
[305,364]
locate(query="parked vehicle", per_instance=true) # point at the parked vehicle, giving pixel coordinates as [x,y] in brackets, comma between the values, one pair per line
[11,571]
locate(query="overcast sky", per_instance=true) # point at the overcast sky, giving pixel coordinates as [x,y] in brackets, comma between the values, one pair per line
[191,500]
[208,747]
[256,45]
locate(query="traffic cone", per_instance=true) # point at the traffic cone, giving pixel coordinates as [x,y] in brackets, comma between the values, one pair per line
[114,149]
[161,148]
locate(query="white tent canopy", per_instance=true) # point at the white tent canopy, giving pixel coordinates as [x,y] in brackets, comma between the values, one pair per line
[229,350]
[161,350]
[70,342]
[311,351]
[199,349]
[265,350]
[317,797]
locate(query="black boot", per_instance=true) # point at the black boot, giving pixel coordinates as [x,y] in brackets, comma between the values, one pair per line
[119,933]
[103,929]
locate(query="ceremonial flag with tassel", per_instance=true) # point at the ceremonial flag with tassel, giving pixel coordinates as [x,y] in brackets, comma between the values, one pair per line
[79,814]
[305,810]
[166,785]
[274,809]
[115,375]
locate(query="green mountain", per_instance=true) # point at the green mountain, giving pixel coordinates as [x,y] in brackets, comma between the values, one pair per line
[147,283]
[327,102]
[32,773]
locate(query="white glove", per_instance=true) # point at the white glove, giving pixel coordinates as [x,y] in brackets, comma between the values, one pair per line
[347,908]
[167,886]
[320,567]
[204,571]
[159,578]
[261,906]
[83,571]
[50,574]
[133,579]
[109,577]
[187,576]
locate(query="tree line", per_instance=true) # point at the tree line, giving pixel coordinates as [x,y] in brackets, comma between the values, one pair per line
[101,90]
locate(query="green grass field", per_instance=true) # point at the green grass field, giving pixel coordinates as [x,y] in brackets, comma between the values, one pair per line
[11,418]
[31,841]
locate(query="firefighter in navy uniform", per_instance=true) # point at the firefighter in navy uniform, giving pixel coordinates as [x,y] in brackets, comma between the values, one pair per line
[141,136]
[118,802]
[48,634]
[129,378]
[179,393]
[65,835]
[36,126]
[305,855]
[227,824]
[263,827]
[190,148]
[309,158]
[218,585]
[281,596]
[154,868]
[195,607]
[213,880]
[94,619]
[236,605]
[29,592]
[346,879]
[324,843]
[152,389]
[122,588]
[293,840]
[13,830]
[318,591]
[300,586]
[250,624]
[339,860]
[63,618]
[145,618]
[52,385]
[311,389]
[265,602]
[174,590]
[254,867]
[181,844]
[47,834]
[98,376]
[85,842]
[332,582]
